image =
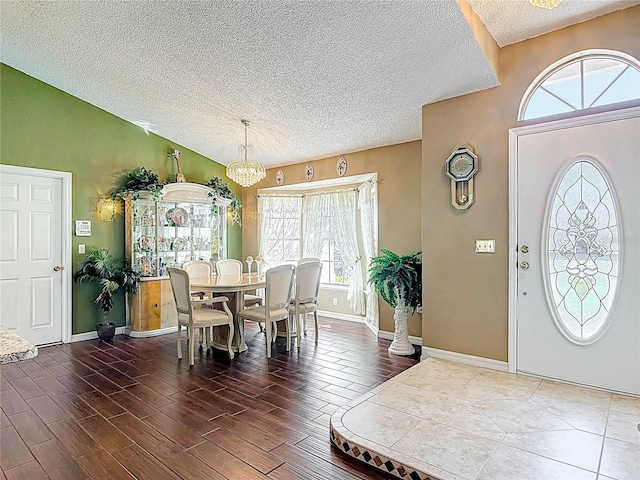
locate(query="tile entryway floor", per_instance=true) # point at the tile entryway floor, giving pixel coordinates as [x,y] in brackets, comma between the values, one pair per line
[445,420]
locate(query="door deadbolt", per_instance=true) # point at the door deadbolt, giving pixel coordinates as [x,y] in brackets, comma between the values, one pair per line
[524,265]
[524,249]
[57,268]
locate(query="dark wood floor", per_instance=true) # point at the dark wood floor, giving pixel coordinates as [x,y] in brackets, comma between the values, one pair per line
[130,409]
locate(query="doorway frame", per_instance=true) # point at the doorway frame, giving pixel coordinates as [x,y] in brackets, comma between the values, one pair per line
[66,243]
[514,135]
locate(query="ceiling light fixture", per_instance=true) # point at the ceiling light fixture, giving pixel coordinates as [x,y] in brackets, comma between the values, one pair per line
[548,4]
[246,173]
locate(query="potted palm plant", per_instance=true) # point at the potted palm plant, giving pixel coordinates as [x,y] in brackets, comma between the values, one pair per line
[100,266]
[398,280]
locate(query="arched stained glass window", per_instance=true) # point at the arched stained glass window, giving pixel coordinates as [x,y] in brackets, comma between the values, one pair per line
[582,249]
[582,81]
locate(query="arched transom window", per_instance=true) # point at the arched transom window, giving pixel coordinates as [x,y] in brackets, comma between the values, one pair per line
[581,81]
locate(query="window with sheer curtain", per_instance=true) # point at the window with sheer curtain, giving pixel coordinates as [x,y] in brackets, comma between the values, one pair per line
[279,231]
[325,225]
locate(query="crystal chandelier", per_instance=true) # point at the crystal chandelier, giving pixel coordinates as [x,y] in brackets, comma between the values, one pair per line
[246,173]
[548,4]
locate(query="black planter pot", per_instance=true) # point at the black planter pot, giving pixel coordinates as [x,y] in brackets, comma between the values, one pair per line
[106,331]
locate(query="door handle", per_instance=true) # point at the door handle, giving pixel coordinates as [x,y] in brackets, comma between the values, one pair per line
[57,268]
[524,265]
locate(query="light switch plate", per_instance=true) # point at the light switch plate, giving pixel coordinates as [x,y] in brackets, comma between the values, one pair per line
[81,249]
[485,246]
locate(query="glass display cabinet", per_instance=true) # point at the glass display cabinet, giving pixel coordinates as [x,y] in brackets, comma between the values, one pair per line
[185,223]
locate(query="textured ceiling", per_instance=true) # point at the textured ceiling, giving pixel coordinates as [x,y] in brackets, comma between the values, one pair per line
[316,79]
[511,21]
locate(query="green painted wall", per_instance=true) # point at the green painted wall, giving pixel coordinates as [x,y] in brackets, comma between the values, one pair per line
[43,127]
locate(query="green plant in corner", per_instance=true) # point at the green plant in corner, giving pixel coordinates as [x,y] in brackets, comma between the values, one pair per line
[398,280]
[221,189]
[100,266]
[140,180]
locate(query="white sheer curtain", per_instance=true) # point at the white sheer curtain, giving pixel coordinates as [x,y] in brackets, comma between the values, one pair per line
[367,201]
[279,228]
[335,212]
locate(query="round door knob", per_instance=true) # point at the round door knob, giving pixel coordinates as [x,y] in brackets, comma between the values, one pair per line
[57,268]
[524,265]
[524,249]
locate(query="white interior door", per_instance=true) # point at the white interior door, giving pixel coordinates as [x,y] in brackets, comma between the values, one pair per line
[34,270]
[578,287]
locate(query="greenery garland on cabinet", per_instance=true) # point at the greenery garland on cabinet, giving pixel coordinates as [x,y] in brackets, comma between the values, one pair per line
[141,179]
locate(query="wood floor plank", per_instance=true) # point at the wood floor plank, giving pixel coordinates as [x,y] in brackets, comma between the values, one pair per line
[13,403]
[190,418]
[129,409]
[310,465]
[265,440]
[46,409]
[57,462]
[247,452]
[14,451]
[27,471]
[103,432]
[142,465]
[174,430]
[102,466]
[74,406]
[50,385]
[73,437]
[26,387]
[102,404]
[31,428]
[226,464]
[102,384]
[133,404]
[149,396]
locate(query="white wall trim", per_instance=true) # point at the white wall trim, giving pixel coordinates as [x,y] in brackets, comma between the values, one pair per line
[464,358]
[389,336]
[373,328]
[81,337]
[66,244]
[149,333]
[514,135]
[342,316]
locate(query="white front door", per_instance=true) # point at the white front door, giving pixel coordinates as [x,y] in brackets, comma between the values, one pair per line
[34,269]
[577,253]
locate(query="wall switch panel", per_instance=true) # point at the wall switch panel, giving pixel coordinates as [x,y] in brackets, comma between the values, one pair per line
[81,249]
[486,246]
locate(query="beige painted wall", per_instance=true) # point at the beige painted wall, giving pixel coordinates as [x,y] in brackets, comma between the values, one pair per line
[398,169]
[465,294]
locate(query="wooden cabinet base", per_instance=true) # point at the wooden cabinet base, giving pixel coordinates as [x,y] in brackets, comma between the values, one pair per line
[153,307]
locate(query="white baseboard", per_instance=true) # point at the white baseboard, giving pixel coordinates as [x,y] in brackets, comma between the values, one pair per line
[150,333]
[341,316]
[374,329]
[464,358]
[389,336]
[81,337]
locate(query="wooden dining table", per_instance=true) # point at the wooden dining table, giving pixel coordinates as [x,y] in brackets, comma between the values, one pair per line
[231,286]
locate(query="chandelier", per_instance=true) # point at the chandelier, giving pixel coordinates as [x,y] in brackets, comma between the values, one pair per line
[548,4]
[246,173]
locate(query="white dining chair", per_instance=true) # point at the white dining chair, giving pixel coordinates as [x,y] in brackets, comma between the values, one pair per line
[231,266]
[196,269]
[308,259]
[279,283]
[305,299]
[196,314]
